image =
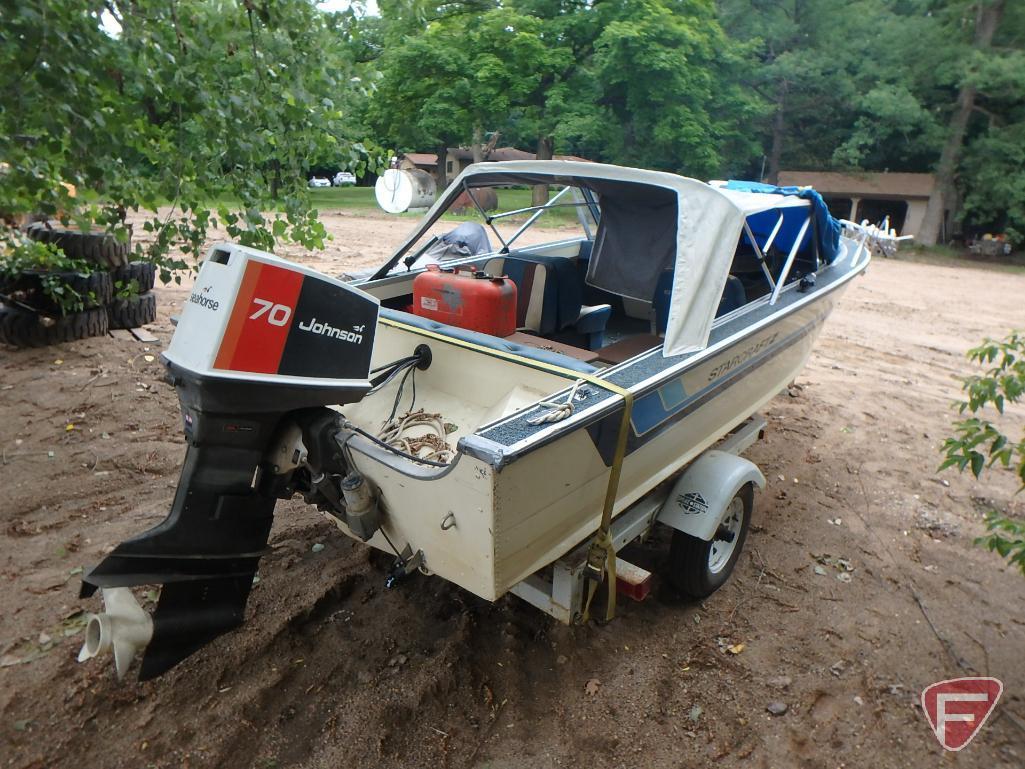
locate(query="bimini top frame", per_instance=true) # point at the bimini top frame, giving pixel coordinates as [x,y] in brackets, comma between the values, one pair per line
[647,222]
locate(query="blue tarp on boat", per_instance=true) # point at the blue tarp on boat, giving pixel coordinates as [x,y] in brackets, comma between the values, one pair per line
[827,229]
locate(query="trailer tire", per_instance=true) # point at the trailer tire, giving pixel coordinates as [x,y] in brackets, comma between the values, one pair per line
[698,567]
[133,312]
[21,328]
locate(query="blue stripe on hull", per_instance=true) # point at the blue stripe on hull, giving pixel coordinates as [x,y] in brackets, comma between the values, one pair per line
[662,409]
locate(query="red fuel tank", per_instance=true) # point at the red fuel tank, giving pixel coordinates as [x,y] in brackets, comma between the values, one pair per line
[465,297]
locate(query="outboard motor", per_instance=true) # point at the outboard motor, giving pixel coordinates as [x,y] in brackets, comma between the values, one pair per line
[262,347]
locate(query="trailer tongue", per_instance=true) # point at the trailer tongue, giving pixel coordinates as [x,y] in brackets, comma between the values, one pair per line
[262,347]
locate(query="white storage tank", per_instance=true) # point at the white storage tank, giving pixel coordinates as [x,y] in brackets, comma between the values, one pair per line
[398,190]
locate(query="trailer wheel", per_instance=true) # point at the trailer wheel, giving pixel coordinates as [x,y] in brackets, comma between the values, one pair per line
[699,568]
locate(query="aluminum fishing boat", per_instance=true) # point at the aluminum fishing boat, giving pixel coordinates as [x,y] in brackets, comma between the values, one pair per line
[516,460]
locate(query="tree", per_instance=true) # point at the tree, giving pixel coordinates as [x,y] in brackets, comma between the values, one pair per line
[452,82]
[425,93]
[991,177]
[825,67]
[898,85]
[786,41]
[192,101]
[423,97]
[670,79]
[988,14]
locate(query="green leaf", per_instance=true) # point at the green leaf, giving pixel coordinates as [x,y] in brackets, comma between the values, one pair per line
[978,461]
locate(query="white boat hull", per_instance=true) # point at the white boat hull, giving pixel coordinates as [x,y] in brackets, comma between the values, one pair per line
[486,528]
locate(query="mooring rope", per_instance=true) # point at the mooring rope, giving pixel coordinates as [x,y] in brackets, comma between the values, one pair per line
[559,411]
[393,432]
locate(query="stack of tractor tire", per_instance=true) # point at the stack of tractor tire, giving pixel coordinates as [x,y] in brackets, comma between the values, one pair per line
[29,318]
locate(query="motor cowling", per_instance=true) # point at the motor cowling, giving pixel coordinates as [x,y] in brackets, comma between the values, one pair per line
[261,344]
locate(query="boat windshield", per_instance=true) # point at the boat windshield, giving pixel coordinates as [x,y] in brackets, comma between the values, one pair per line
[497,220]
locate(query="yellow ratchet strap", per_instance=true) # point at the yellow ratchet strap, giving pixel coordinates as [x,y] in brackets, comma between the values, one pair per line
[601,556]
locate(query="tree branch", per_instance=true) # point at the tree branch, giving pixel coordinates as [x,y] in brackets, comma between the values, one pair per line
[994,119]
[252,37]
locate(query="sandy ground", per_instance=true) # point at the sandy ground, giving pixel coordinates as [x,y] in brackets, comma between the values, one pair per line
[333,670]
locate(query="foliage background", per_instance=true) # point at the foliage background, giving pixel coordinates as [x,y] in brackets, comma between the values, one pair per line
[217,111]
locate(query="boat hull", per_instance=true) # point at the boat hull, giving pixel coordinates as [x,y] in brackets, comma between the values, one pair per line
[487,525]
[692,411]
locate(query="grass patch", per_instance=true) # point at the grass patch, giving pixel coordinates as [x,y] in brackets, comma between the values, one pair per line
[362,200]
[947,256]
[343,198]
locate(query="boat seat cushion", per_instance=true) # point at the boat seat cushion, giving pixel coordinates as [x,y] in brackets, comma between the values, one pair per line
[488,341]
[549,296]
[733,296]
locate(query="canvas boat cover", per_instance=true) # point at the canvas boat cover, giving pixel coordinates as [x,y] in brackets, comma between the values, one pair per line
[650,221]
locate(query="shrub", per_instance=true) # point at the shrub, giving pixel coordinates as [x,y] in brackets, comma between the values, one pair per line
[980,442]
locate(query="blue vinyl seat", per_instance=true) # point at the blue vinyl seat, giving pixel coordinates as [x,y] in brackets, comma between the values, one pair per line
[733,296]
[549,296]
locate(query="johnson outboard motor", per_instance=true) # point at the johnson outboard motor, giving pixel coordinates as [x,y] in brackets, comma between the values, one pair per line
[262,347]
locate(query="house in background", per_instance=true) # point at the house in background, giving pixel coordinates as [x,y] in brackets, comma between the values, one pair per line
[458,158]
[419,161]
[873,196]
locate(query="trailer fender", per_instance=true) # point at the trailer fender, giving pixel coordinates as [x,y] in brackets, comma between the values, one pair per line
[699,499]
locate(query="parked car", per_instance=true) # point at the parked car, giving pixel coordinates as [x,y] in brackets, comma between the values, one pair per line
[319,181]
[344,179]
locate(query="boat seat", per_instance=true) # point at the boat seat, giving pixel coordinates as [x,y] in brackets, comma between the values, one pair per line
[733,296]
[488,341]
[549,298]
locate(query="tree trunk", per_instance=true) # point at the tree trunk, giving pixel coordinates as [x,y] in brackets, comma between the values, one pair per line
[779,125]
[544,152]
[439,173]
[987,20]
[476,146]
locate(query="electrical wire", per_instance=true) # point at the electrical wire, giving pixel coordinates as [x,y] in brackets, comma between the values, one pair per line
[390,543]
[398,395]
[398,367]
[398,362]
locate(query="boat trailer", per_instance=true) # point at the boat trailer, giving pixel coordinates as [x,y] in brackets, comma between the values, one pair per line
[560,589]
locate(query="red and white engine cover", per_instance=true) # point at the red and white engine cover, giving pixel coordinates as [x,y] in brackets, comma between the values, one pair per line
[256,317]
